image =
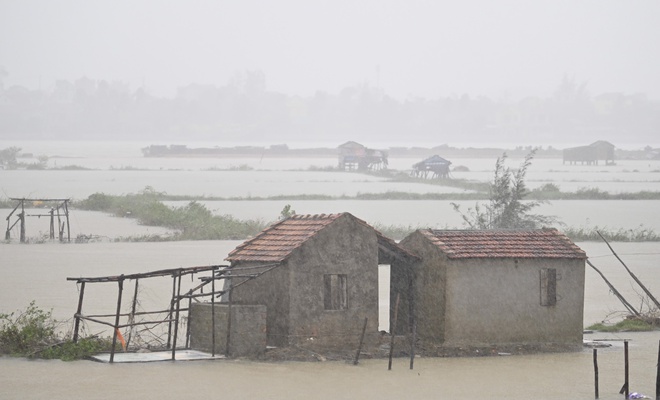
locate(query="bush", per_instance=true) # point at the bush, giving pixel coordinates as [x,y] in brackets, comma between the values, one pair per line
[33,333]
[25,333]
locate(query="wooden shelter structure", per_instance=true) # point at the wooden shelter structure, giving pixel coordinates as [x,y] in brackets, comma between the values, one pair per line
[435,166]
[172,316]
[591,154]
[354,156]
[59,209]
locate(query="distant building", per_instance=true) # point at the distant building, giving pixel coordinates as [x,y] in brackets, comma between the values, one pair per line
[490,287]
[354,156]
[435,166]
[591,154]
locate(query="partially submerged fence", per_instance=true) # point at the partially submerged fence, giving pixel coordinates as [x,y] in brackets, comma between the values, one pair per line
[172,315]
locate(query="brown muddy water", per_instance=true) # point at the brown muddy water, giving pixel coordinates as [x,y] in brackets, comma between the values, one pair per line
[38,272]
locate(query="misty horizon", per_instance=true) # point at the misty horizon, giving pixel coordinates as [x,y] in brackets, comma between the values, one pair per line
[337,70]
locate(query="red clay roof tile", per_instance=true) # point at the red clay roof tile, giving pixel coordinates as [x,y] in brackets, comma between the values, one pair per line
[541,243]
[275,243]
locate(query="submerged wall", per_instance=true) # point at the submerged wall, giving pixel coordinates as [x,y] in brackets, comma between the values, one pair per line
[248,329]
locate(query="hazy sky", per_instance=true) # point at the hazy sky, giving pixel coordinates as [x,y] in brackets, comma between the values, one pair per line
[408,47]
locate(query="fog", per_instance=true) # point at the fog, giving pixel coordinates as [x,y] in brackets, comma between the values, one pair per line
[409,48]
[552,62]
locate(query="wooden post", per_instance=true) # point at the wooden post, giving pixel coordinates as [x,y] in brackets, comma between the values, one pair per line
[596,372]
[392,329]
[78,311]
[357,355]
[116,326]
[52,224]
[616,292]
[228,342]
[131,318]
[169,315]
[626,384]
[413,339]
[176,319]
[648,292]
[412,318]
[657,376]
[68,228]
[60,227]
[22,217]
[212,312]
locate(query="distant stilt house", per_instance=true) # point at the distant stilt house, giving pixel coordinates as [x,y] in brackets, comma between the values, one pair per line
[493,287]
[591,154]
[327,283]
[354,156]
[435,166]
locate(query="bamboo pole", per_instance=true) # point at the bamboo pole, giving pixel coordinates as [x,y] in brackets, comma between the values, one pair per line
[52,224]
[392,329]
[657,376]
[78,311]
[648,292]
[616,292]
[176,319]
[131,316]
[68,227]
[596,372]
[169,316]
[116,326]
[22,217]
[626,383]
[228,341]
[213,315]
[413,339]
[357,354]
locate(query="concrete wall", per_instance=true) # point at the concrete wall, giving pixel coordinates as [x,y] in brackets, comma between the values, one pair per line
[271,289]
[428,290]
[498,301]
[248,329]
[344,247]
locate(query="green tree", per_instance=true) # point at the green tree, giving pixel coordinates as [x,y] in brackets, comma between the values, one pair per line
[506,208]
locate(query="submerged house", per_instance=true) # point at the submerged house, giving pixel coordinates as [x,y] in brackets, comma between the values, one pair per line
[591,154]
[326,283]
[354,156]
[436,166]
[492,287]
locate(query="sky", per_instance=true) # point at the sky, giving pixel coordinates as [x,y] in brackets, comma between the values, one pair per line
[408,48]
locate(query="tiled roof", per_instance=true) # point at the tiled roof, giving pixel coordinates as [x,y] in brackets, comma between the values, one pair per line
[276,242]
[541,243]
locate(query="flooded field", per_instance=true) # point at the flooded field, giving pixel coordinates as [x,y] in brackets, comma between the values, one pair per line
[39,271]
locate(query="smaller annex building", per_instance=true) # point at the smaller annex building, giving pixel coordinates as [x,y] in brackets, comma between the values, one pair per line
[492,287]
[326,282]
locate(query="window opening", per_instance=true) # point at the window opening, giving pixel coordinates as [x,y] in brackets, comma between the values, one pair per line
[548,286]
[335,292]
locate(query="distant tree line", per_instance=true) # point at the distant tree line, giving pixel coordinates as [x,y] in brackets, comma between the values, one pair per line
[244,109]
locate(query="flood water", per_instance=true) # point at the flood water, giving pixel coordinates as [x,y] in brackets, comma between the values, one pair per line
[39,271]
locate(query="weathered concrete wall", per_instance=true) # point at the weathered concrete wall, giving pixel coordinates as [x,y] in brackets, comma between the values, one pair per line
[248,329]
[344,247]
[428,290]
[498,301]
[270,289]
